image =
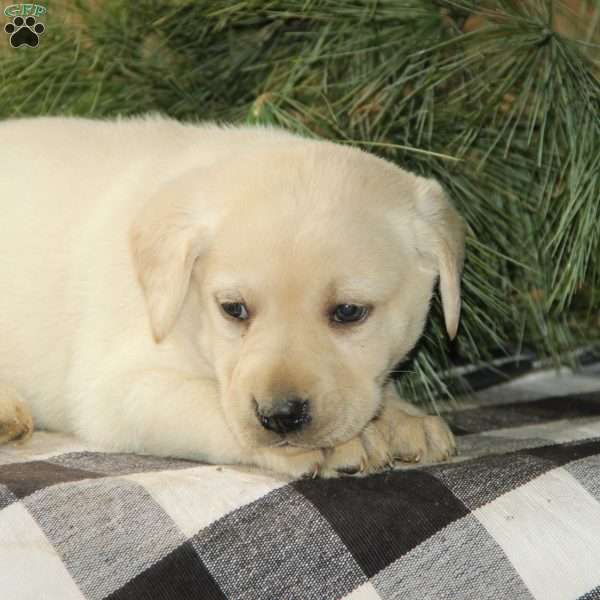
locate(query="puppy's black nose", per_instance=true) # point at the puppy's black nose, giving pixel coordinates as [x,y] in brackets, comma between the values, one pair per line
[290,414]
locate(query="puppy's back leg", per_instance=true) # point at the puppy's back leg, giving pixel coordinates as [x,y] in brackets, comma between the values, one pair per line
[16,422]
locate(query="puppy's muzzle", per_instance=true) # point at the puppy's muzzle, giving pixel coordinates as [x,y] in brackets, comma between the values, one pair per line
[287,415]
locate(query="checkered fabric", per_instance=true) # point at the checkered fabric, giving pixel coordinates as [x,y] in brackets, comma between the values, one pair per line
[516,515]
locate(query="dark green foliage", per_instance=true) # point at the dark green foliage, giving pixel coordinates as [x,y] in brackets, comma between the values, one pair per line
[499,100]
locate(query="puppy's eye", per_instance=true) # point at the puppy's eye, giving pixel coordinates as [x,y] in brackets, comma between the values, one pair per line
[349,313]
[237,310]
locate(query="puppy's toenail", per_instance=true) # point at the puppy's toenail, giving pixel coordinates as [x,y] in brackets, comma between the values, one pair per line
[348,470]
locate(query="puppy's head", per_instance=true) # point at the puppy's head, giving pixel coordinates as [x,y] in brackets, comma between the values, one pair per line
[311,266]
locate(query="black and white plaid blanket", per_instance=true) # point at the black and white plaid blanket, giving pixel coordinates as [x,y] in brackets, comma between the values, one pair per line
[516,516]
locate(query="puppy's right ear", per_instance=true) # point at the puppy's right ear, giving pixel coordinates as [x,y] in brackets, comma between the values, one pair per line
[166,239]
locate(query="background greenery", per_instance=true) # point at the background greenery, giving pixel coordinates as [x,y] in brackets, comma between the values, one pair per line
[499,100]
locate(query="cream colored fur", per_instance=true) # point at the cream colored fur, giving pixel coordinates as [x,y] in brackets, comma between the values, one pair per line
[120,239]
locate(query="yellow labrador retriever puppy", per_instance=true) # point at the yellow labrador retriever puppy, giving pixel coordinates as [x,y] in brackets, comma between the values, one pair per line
[227,294]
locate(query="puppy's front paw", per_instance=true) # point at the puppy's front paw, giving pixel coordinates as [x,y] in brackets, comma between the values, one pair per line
[393,436]
[16,422]
[422,440]
[368,452]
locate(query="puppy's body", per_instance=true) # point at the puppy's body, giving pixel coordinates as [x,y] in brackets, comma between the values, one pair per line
[119,241]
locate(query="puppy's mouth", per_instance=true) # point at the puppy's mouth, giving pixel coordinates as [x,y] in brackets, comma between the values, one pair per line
[291,448]
[286,443]
[292,440]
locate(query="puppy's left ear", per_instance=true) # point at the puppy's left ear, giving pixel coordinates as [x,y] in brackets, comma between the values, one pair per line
[440,238]
[166,238]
